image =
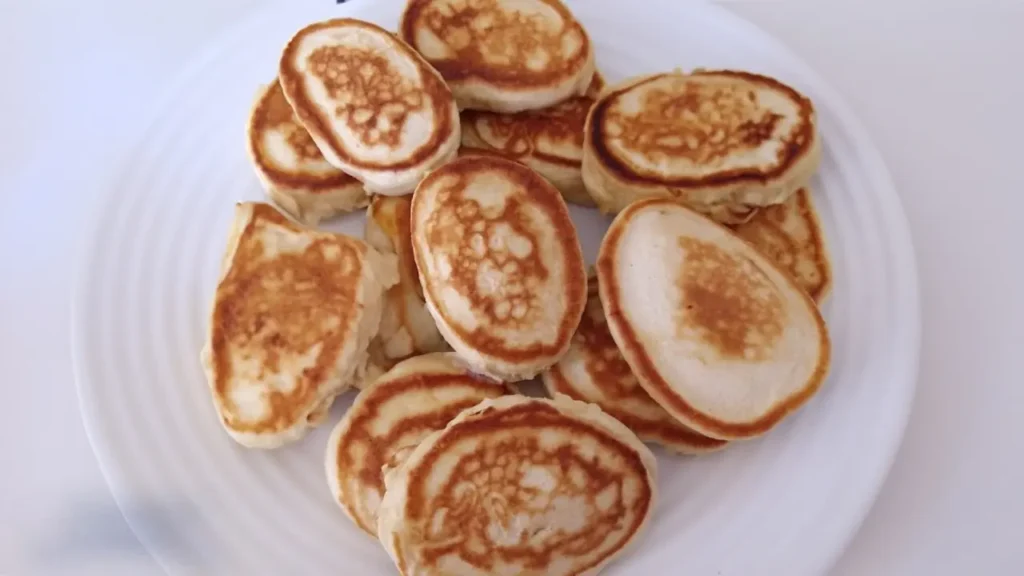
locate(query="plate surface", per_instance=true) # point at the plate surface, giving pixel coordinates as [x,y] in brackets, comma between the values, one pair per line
[784,504]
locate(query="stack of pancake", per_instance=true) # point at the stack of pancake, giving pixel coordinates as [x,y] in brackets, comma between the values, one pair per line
[466,133]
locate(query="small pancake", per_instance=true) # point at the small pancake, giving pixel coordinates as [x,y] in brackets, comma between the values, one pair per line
[549,140]
[389,418]
[720,336]
[723,142]
[593,370]
[502,55]
[500,264]
[791,234]
[519,485]
[292,317]
[406,328]
[388,124]
[294,173]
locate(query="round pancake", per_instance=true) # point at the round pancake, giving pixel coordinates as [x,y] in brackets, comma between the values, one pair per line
[502,55]
[715,332]
[791,234]
[549,140]
[406,327]
[723,142]
[374,107]
[500,264]
[593,370]
[294,173]
[390,417]
[519,485]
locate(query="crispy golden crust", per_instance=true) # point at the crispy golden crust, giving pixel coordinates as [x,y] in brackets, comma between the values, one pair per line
[447,187]
[750,135]
[507,33]
[617,390]
[273,113]
[643,366]
[267,308]
[791,234]
[388,92]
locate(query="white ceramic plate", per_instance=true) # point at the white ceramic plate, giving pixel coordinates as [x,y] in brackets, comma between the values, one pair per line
[785,504]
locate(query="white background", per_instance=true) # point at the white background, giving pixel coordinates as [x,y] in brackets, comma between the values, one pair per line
[939,85]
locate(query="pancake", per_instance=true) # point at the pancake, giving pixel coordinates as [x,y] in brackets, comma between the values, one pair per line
[593,370]
[500,264]
[390,417]
[723,142]
[292,316]
[502,55]
[406,328]
[720,336]
[791,234]
[374,107]
[519,485]
[549,140]
[294,173]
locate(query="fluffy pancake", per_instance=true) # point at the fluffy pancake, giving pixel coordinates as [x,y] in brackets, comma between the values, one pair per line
[716,332]
[593,370]
[406,327]
[500,264]
[292,316]
[373,106]
[502,55]
[723,142]
[792,235]
[519,485]
[294,173]
[390,417]
[549,140]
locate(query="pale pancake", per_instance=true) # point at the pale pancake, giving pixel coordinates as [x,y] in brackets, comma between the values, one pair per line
[791,234]
[391,417]
[500,264]
[593,370]
[406,328]
[374,107]
[713,329]
[723,142]
[292,316]
[294,173]
[502,55]
[519,485]
[549,140]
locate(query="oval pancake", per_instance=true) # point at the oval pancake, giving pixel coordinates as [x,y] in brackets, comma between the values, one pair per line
[292,317]
[294,173]
[502,55]
[792,235]
[723,142]
[715,332]
[519,485]
[593,370]
[500,264]
[406,328]
[390,417]
[549,140]
[374,107]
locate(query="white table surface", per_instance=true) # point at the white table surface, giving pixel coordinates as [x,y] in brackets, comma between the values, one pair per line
[938,84]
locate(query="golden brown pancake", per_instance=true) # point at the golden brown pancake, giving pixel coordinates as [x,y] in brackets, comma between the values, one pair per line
[375,108]
[593,370]
[723,142]
[792,235]
[549,140]
[295,174]
[502,55]
[500,264]
[519,485]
